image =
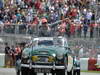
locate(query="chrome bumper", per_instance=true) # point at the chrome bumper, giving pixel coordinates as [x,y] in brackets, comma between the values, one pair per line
[42,66]
[76,68]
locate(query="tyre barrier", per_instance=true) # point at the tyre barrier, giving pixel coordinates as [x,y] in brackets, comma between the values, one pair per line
[90,64]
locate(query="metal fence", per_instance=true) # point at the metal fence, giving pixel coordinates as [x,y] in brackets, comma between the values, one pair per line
[13,34]
[24,29]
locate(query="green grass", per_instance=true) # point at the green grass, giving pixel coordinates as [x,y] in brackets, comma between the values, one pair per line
[92,71]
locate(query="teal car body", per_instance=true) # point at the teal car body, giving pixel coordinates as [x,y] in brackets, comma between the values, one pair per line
[47,55]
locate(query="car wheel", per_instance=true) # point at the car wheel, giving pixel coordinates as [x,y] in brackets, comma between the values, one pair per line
[60,72]
[31,72]
[70,73]
[44,74]
[24,71]
[53,72]
[27,71]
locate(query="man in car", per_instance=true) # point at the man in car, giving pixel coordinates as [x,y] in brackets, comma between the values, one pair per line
[44,29]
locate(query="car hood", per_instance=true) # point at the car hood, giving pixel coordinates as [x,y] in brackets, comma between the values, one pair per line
[48,50]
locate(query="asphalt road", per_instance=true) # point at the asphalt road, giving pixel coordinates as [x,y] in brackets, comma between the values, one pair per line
[8,71]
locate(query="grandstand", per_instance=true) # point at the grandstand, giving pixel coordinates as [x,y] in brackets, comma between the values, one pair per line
[21,20]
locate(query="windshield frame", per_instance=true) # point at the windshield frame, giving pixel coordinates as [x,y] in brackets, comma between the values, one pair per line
[62,41]
[45,42]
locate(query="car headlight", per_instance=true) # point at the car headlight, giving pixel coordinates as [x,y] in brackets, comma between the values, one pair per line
[25,55]
[54,55]
[51,59]
[59,57]
[35,58]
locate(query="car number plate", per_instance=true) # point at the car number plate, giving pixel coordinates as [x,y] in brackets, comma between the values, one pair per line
[42,70]
[43,59]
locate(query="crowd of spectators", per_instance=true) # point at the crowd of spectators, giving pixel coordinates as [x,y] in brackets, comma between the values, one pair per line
[12,54]
[76,15]
[84,52]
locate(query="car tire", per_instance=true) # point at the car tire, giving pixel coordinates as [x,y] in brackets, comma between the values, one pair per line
[70,73]
[60,72]
[27,71]
[24,71]
[45,74]
[53,72]
[31,72]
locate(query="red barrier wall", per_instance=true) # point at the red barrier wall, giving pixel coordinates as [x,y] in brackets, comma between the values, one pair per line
[92,62]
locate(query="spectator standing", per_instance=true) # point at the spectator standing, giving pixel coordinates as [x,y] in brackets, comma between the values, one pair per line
[73,13]
[11,57]
[1,4]
[7,56]
[68,28]
[52,16]
[88,17]
[1,26]
[18,52]
[91,30]
[13,54]
[72,29]
[85,30]
[61,28]
[79,30]
[1,15]
[18,57]
[81,51]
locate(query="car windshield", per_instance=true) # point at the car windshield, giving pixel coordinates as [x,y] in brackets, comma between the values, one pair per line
[46,42]
[58,42]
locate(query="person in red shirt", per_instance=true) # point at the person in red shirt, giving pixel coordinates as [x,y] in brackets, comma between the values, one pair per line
[91,30]
[37,4]
[72,29]
[61,28]
[73,13]
[18,52]
[79,30]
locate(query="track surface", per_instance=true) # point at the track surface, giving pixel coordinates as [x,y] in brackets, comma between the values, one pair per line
[12,71]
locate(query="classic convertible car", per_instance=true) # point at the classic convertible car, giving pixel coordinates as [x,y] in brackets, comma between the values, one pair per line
[47,55]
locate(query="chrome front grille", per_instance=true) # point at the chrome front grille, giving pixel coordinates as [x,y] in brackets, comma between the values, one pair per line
[42,59]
